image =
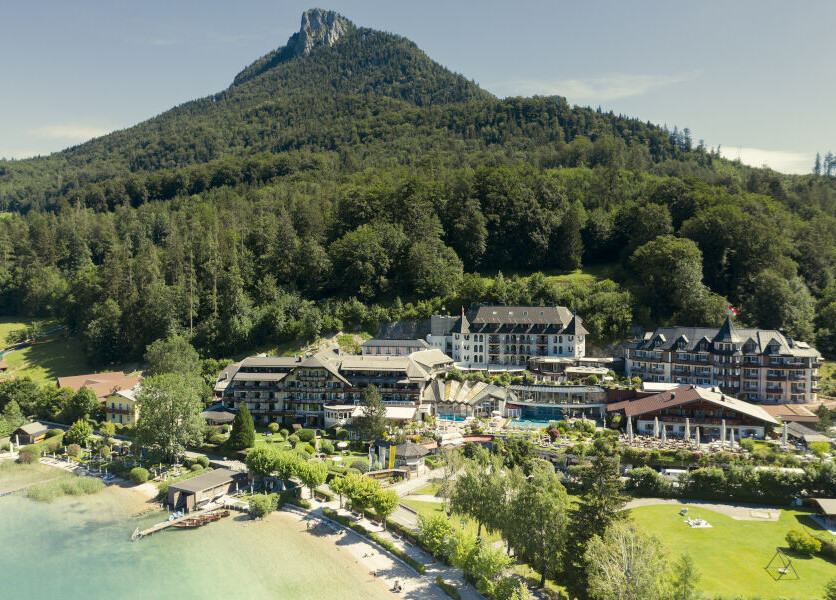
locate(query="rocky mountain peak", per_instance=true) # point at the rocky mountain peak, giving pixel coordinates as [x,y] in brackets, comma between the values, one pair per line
[319,27]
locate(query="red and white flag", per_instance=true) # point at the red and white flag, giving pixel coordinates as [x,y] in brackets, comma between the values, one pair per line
[732,311]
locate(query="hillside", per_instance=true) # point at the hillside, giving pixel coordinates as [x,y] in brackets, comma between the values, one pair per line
[346,173]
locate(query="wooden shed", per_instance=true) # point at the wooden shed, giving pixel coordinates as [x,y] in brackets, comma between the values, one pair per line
[29,434]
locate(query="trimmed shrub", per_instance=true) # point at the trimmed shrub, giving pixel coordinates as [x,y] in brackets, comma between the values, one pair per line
[361,464]
[53,445]
[203,461]
[308,448]
[803,543]
[293,439]
[273,427]
[27,457]
[306,435]
[196,467]
[448,588]
[217,439]
[104,451]
[645,481]
[34,449]
[261,505]
[326,447]
[54,432]
[74,450]
[323,495]
[139,475]
[828,546]
[342,434]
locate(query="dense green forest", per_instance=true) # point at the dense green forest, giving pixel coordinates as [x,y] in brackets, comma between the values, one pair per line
[365,182]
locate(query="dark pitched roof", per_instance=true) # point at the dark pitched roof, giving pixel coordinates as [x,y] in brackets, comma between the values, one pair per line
[762,341]
[207,480]
[727,333]
[575,327]
[410,450]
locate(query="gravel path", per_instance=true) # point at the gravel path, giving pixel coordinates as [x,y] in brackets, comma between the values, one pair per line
[739,512]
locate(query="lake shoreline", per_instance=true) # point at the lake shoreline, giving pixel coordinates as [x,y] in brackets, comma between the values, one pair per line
[278,554]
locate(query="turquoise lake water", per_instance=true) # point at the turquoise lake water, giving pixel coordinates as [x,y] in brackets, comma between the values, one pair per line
[80,548]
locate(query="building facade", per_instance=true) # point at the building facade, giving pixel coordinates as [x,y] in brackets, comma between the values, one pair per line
[384,347]
[298,389]
[554,402]
[754,364]
[497,338]
[684,410]
[120,406]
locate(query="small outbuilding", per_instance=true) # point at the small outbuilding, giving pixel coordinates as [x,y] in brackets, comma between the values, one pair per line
[30,433]
[193,493]
[806,435]
[218,415]
[827,507]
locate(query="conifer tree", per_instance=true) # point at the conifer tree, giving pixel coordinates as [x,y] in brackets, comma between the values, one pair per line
[243,431]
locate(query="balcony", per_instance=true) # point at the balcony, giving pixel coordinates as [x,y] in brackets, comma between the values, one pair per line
[310,377]
[815,377]
[774,377]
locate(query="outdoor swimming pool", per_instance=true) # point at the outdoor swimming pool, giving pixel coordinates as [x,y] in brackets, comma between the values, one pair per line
[453,418]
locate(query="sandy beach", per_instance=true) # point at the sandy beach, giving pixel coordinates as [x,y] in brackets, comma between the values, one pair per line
[366,558]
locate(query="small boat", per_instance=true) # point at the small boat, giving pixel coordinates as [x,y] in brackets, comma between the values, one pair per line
[201,520]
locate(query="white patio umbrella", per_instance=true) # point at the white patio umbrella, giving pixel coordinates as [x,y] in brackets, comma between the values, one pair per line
[630,429]
[664,434]
[784,436]
[731,438]
[723,430]
[697,436]
[687,429]
[655,427]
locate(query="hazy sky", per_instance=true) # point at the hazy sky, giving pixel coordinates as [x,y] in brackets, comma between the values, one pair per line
[755,76]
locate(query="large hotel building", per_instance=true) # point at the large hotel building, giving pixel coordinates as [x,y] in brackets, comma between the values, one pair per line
[753,364]
[497,338]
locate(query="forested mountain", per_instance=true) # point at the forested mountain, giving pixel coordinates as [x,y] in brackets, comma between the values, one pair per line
[346,173]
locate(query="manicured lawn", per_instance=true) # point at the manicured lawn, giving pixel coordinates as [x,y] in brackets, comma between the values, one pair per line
[47,362]
[9,324]
[428,490]
[436,508]
[43,362]
[731,555]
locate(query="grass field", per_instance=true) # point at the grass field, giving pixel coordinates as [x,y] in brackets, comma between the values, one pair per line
[430,489]
[43,362]
[731,555]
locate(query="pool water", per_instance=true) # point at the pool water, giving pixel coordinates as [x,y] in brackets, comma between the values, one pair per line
[453,418]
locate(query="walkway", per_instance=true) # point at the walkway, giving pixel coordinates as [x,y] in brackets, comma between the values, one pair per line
[414,584]
[739,512]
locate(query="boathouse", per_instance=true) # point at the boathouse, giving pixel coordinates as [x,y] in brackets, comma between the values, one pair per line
[195,492]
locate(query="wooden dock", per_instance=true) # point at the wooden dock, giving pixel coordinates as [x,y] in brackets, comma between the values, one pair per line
[139,534]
